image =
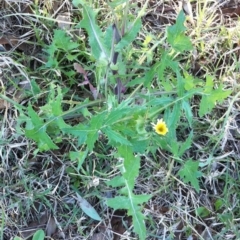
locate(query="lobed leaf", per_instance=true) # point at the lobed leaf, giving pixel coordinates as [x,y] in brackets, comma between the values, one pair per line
[79,131]
[117,181]
[115,137]
[189,173]
[176,36]
[138,222]
[62,41]
[212,96]
[95,35]
[38,132]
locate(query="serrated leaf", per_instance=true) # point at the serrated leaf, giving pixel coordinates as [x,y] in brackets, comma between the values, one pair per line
[39,235]
[53,108]
[176,114]
[116,114]
[79,156]
[160,101]
[209,84]
[140,125]
[119,202]
[140,146]
[180,85]
[176,36]
[131,165]
[130,36]
[35,119]
[117,181]
[108,36]
[96,123]
[212,96]
[180,43]
[88,208]
[130,201]
[40,136]
[189,173]
[188,111]
[138,223]
[166,62]
[62,41]
[115,137]
[141,198]
[95,34]
[79,131]
[178,27]
[185,145]
[38,132]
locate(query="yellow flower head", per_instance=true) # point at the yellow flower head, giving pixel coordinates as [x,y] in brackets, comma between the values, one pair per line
[161,127]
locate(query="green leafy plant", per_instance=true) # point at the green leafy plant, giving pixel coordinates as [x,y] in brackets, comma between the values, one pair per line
[128,200]
[115,113]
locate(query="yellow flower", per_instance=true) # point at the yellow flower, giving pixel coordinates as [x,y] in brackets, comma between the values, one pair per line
[161,127]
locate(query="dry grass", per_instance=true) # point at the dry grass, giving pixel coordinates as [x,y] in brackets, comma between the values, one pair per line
[36,187]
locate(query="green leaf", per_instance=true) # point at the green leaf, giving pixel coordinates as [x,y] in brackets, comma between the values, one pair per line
[87,208]
[202,212]
[141,125]
[188,111]
[160,101]
[87,134]
[39,235]
[212,96]
[138,223]
[130,36]
[38,132]
[141,198]
[180,85]
[189,173]
[122,202]
[140,146]
[128,200]
[176,36]
[62,41]
[185,145]
[173,116]
[116,3]
[95,34]
[79,156]
[108,36]
[131,165]
[96,124]
[79,131]
[41,137]
[117,181]
[166,62]
[115,137]
[117,113]
[209,84]
[35,87]
[53,108]
[119,202]
[218,204]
